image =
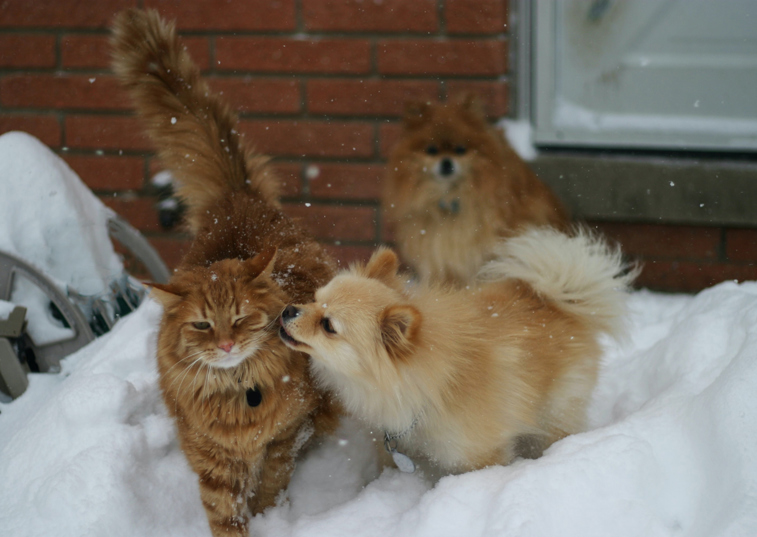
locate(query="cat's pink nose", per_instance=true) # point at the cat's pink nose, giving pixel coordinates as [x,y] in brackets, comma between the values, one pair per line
[226,345]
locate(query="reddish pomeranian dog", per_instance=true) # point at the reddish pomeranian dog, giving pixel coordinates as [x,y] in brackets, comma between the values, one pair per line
[455,187]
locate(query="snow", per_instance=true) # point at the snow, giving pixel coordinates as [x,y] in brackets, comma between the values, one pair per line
[37,189]
[670,450]
[51,220]
[519,134]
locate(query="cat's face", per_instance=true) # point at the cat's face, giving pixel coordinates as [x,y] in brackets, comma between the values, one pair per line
[222,314]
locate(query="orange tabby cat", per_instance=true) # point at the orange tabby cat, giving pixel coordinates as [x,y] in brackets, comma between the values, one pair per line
[244,404]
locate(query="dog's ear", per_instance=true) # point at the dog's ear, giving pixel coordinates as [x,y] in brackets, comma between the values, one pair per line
[383,266]
[400,325]
[261,264]
[416,113]
[166,294]
[471,103]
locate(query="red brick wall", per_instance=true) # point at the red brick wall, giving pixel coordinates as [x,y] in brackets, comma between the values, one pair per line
[318,84]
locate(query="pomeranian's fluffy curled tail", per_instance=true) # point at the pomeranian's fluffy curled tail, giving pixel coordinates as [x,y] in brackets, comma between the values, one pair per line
[580,272]
[193,130]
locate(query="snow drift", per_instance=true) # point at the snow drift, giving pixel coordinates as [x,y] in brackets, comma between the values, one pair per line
[670,451]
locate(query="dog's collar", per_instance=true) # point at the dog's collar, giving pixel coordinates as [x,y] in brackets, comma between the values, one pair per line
[451,207]
[403,462]
[252,395]
[389,437]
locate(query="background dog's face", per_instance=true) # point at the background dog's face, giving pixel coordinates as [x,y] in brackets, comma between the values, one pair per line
[441,142]
[359,326]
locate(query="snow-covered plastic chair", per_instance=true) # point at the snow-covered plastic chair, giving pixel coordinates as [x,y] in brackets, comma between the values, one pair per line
[57,261]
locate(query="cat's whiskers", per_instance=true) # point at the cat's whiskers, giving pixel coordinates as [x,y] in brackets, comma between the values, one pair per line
[189,368]
[193,388]
[204,384]
[205,392]
[179,361]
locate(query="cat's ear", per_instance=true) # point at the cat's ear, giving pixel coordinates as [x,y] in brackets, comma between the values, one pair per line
[383,266]
[400,325]
[168,295]
[416,113]
[262,264]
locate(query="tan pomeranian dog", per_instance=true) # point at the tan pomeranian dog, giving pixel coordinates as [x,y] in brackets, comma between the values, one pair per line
[455,187]
[467,378]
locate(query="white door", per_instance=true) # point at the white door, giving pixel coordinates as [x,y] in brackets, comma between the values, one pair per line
[646,73]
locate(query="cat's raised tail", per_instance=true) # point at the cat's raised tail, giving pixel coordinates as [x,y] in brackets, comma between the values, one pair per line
[193,130]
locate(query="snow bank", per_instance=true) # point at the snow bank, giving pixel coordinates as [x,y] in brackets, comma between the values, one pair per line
[51,219]
[671,450]
[519,134]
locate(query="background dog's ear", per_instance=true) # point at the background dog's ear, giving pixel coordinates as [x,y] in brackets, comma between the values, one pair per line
[166,294]
[470,102]
[416,113]
[262,263]
[399,329]
[383,266]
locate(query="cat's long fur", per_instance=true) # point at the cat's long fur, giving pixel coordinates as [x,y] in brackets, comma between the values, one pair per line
[218,338]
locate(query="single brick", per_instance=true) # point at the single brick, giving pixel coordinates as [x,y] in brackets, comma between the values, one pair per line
[74,92]
[388,232]
[106,132]
[345,181]
[290,176]
[139,212]
[451,58]
[170,249]
[85,51]
[664,241]
[367,97]
[259,95]
[336,222]
[370,16]
[389,135]
[691,277]
[93,51]
[60,14]
[108,172]
[281,55]
[45,128]
[495,96]
[475,16]
[309,138]
[346,255]
[227,15]
[27,50]
[741,244]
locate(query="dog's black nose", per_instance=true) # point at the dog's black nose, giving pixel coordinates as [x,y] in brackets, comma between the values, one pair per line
[290,312]
[446,167]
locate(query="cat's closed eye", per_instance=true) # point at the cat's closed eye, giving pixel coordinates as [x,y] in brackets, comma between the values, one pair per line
[253,321]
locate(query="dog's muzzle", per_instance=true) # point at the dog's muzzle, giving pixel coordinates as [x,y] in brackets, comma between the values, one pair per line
[289,313]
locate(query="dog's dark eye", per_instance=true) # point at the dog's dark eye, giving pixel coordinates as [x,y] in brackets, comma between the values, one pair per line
[201,325]
[432,150]
[460,149]
[326,324]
